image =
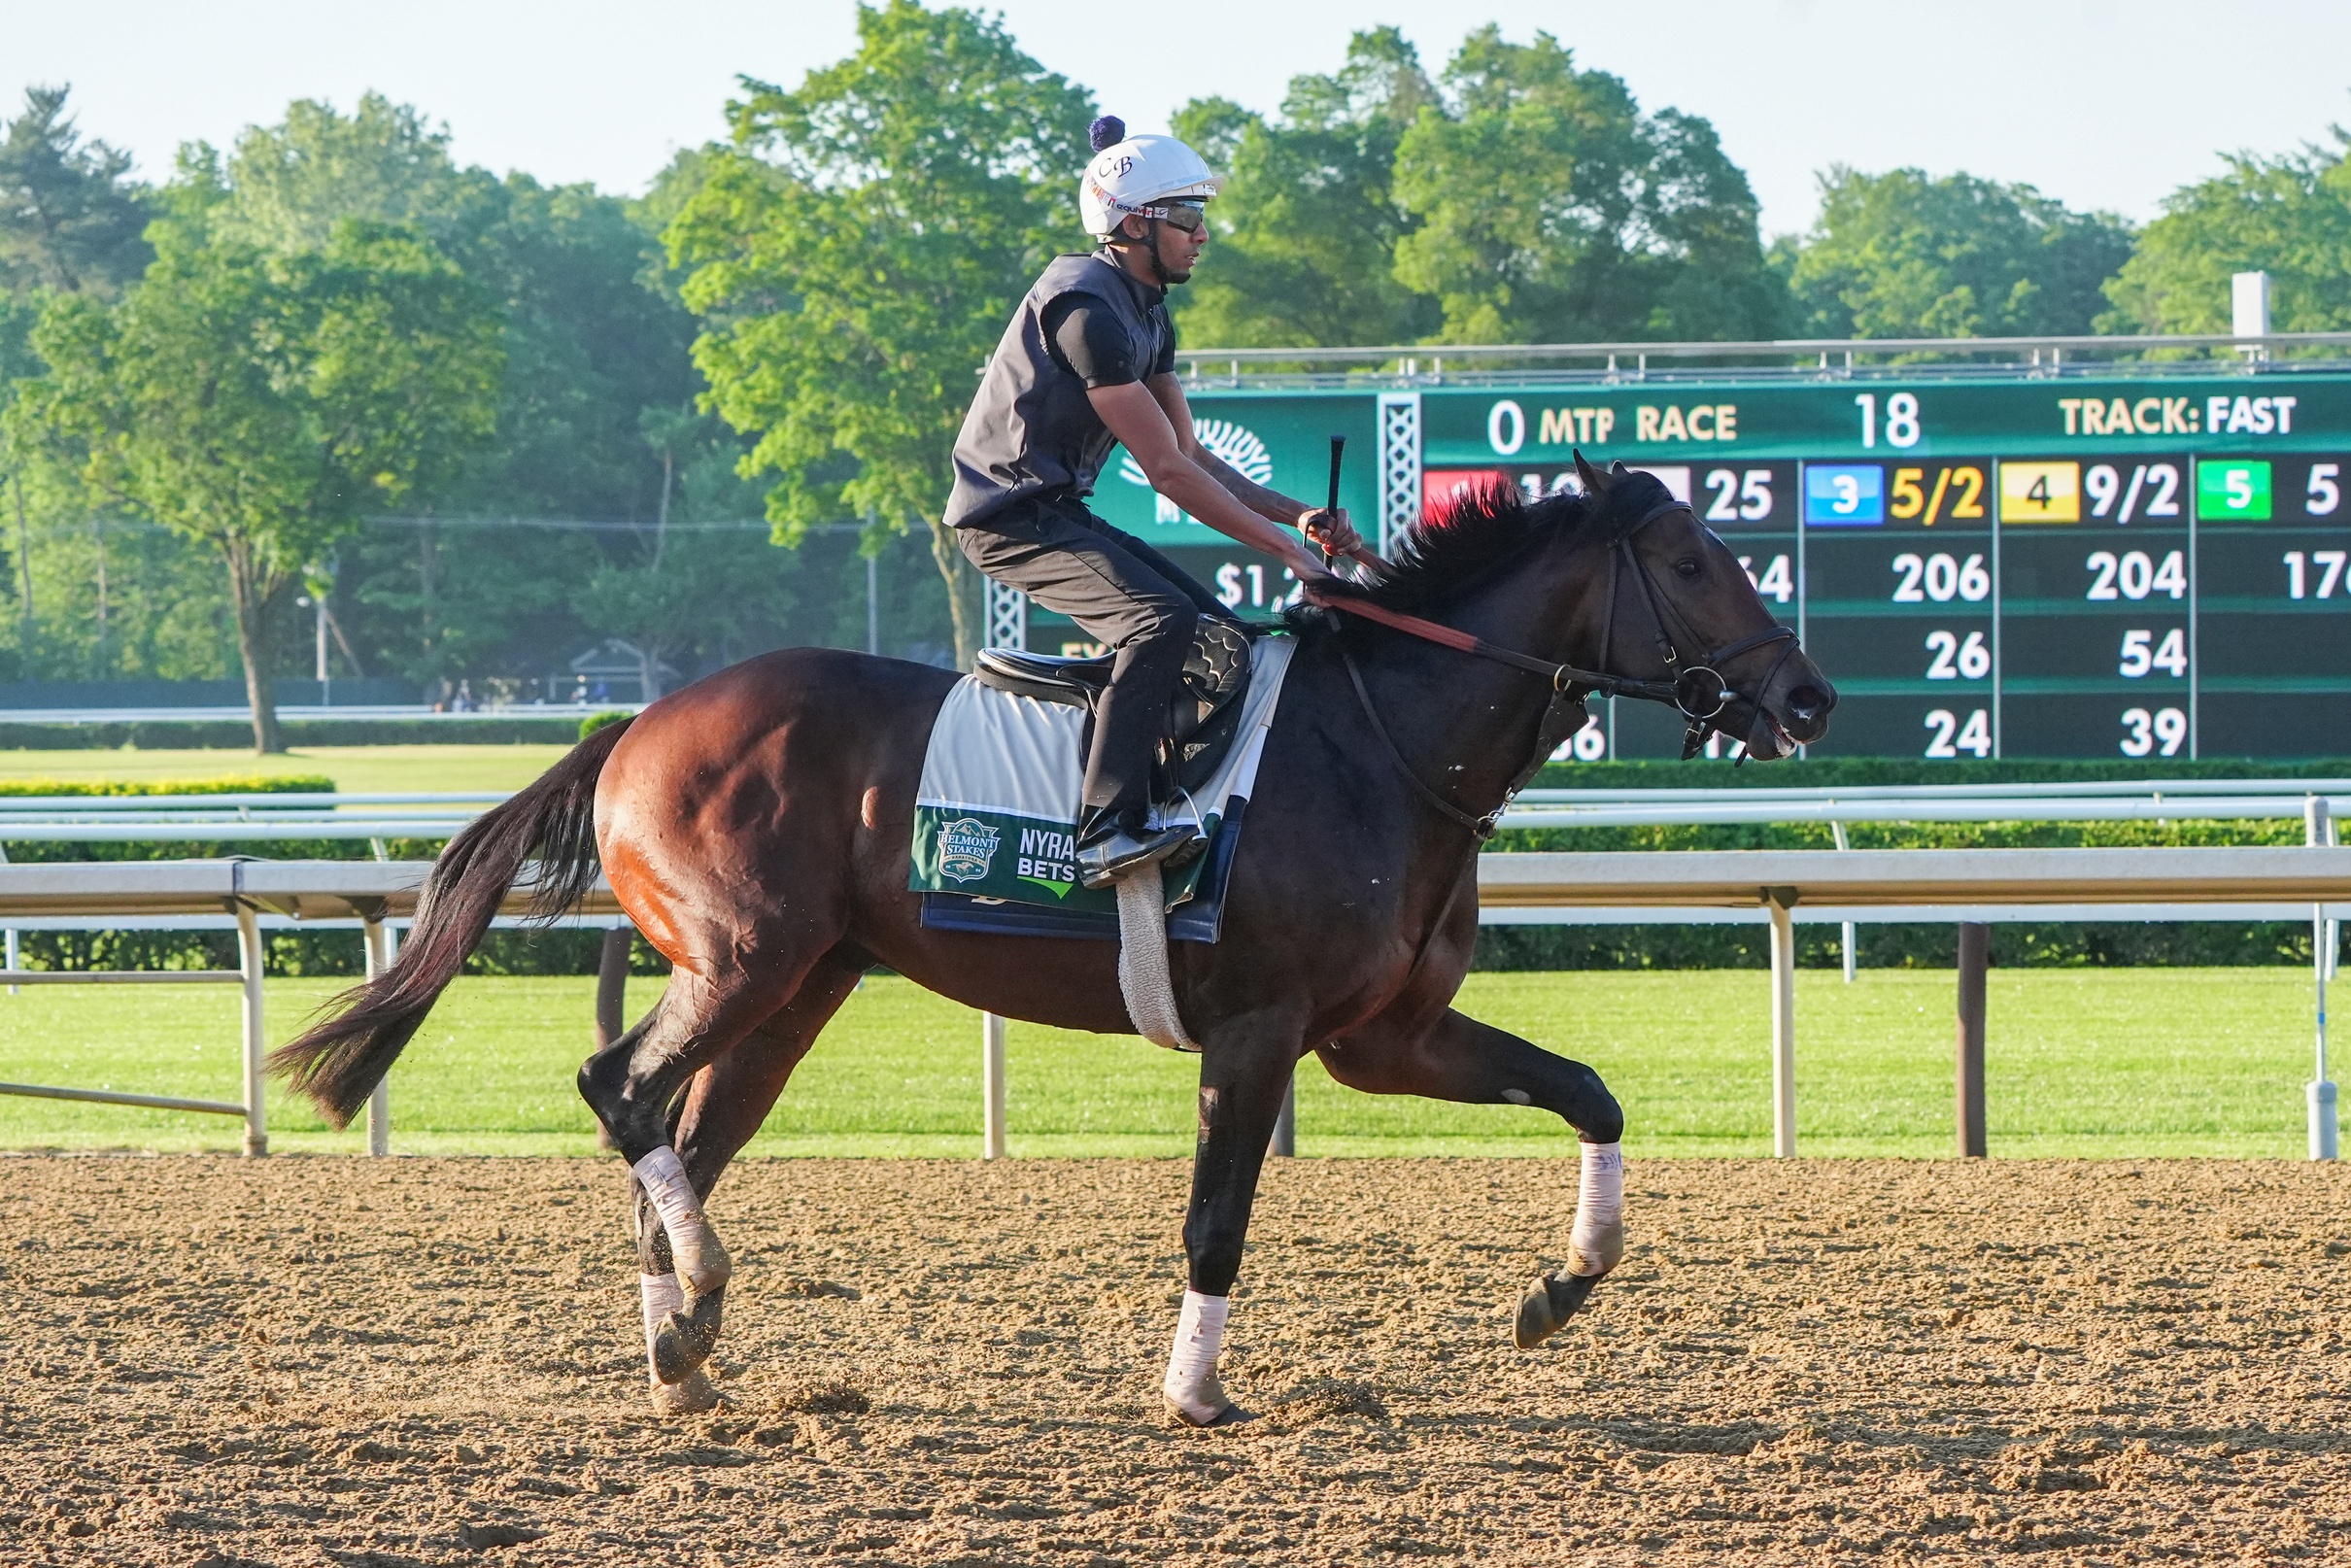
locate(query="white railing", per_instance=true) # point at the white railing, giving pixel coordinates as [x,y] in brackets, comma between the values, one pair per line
[307,713]
[1919,884]
[2153,801]
[238,818]
[130,894]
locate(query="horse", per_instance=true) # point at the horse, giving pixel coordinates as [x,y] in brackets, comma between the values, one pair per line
[756,825]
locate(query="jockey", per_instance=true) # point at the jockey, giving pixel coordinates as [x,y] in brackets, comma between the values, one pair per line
[1089,362]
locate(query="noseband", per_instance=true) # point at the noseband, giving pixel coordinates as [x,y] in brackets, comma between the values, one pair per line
[1699,691]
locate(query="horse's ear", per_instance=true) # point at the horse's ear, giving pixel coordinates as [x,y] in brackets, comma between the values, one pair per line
[1595,483]
[1617,470]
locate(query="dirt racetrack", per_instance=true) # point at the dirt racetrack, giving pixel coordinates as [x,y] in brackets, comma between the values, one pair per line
[433,1361]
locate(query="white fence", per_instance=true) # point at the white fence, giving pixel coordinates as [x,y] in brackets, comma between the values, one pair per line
[128,894]
[1924,884]
[2239,882]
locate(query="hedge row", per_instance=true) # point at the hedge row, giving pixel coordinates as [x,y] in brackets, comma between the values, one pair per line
[331,953]
[1904,947]
[235,735]
[1499,948]
[1834,772]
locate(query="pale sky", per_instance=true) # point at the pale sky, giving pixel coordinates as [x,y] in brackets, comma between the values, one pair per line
[2103,103]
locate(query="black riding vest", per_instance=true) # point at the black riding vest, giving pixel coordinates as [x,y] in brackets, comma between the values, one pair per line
[1031,427]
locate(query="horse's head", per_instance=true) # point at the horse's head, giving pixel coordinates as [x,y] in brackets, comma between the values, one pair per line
[1679,609]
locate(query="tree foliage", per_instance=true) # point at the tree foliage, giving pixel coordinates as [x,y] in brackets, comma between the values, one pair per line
[2288,215]
[263,404]
[1900,254]
[1308,224]
[1549,209]
[856,252]
[70,216]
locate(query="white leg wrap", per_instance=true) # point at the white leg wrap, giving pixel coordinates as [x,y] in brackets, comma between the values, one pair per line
[664,1177]
[1192,1387]
[659,1295]
[1597,1241]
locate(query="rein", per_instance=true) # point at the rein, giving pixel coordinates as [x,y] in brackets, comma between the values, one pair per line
[1565,714]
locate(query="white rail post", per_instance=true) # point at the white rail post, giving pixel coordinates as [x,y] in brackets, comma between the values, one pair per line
[1838,829]
[11,959]
[2318,829]
[249,952]
[1284,1142]
[378,1101]
[1783,1022]
[991,1082]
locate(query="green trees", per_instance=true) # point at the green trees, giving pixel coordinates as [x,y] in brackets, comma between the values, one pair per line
[262,404]
[1549,209]
[1517,200]
[70,217]
[856,252]
[1308,224]
[1899,255]
[2288,215]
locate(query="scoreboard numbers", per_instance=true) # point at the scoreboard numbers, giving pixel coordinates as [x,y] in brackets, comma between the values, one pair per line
[2037,562]
[1958,494]
[1898,592]
[2040,493]
[1848,495]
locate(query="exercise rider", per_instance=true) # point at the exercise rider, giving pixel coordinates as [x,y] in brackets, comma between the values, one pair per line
[1089,362]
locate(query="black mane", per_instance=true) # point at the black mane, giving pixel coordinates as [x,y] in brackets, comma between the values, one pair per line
[1459,542]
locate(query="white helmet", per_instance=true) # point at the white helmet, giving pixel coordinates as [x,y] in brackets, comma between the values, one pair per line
[1132,175]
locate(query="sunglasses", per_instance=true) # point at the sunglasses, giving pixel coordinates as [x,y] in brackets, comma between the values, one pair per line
[1189,215]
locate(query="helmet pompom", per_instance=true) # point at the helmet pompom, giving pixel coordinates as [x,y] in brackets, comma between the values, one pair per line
[1108,131]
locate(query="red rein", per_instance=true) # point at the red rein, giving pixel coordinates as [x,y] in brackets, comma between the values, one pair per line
[1411,625]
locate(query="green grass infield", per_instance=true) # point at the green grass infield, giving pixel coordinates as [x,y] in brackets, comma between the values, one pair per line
[2118,1063]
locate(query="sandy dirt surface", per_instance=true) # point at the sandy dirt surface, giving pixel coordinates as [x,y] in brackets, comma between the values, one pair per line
[434,1361]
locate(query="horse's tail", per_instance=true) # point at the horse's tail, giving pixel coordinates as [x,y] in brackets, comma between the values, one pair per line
[339,1060]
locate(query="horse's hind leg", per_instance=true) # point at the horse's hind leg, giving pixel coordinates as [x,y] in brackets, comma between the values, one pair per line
[632,1084]
[720,1112]
[1460,1058]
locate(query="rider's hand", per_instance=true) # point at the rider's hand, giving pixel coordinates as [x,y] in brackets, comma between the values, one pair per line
[1331,531]
[1313,577]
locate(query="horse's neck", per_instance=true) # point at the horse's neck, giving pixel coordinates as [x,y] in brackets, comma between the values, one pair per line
[1468,724]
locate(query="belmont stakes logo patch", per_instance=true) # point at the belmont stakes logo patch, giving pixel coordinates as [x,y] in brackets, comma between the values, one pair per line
[965,847]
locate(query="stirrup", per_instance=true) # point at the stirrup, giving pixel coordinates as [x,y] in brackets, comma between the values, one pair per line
[1110,859]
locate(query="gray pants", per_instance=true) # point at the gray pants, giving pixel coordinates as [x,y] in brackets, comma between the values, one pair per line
[1125,595]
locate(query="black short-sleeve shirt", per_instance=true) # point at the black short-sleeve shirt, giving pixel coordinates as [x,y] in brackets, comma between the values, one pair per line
[1086,339]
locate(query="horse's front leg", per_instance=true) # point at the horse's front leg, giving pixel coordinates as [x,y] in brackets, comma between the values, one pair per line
[1245,1066]
[1454,1057]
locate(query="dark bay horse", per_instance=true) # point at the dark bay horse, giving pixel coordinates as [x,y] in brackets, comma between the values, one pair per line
[755,826]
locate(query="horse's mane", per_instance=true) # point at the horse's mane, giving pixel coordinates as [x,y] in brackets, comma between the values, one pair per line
[1458,542]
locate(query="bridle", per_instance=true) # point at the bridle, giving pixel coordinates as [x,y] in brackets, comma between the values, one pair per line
[1699,690]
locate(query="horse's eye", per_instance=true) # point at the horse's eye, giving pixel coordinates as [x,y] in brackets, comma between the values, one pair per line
[1688,567]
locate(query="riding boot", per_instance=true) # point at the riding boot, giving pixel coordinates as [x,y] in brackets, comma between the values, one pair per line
[1114,843]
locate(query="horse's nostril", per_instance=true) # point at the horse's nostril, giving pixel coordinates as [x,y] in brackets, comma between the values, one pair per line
[1808,703]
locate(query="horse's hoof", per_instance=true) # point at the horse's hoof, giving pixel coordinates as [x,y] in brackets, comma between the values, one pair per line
[689,1396]
[1545,1308]
[683,1340]
[1230,1415]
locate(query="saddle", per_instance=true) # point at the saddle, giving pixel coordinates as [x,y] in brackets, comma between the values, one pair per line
[1203,718]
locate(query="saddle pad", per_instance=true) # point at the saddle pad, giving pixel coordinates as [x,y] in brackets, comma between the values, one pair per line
[996,813]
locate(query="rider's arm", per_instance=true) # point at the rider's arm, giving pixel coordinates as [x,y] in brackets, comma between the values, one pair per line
[1168,392]
[1140,421]
[1334,529]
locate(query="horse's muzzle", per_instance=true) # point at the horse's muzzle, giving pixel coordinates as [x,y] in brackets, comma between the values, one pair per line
[1804,711]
